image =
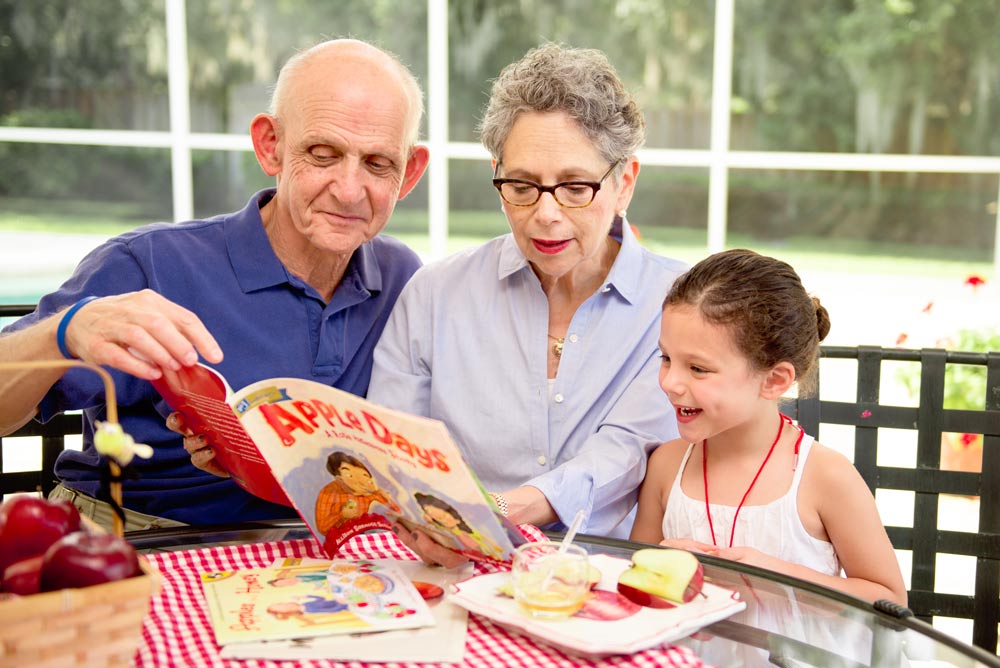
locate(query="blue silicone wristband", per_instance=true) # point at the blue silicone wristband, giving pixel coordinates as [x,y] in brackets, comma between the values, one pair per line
[64,323]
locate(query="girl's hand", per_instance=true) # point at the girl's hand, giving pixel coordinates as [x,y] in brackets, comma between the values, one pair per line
[748,555]
[690,545]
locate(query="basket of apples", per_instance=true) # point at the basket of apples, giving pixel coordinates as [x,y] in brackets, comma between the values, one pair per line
[72,593]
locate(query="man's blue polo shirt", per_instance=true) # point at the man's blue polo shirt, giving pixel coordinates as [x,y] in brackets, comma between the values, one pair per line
[268,322]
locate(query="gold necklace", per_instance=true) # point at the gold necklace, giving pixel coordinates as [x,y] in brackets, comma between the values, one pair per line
[558,345]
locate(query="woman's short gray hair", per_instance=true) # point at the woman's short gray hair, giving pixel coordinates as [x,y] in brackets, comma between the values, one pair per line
[579,82]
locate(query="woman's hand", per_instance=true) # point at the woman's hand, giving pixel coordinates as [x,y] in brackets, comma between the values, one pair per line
[429,550]
[202,455]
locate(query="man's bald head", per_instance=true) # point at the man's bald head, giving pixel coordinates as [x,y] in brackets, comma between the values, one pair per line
[362,60]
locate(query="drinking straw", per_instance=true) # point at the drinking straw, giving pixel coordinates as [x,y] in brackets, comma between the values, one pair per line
[563,546]
[571,532]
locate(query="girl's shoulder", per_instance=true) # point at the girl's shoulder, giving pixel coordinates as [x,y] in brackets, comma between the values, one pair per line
[669,455]
[827,466]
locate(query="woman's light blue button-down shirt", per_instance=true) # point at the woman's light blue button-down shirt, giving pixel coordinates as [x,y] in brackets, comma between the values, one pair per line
[467,344]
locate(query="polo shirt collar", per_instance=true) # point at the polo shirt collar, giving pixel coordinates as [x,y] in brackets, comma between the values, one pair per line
[257,267]
[623,277]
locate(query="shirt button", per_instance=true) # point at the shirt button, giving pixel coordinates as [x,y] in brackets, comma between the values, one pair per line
[573,338]
[558,398]
[606,288]
[541,460]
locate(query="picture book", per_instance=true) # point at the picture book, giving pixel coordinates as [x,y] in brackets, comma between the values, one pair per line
[345,464]
[443,642]
[300,600]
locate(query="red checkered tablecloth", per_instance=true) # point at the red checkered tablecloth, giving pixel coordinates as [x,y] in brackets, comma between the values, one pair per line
[177,632]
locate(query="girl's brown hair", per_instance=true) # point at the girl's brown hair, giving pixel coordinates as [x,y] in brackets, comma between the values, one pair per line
[762,302]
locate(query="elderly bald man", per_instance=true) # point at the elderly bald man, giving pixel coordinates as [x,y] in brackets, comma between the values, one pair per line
[297,283]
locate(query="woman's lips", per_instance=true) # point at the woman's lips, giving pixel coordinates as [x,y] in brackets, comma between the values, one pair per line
[550,247]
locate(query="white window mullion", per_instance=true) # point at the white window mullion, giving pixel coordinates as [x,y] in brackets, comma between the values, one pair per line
[180,111]
[718,171]
[437,126]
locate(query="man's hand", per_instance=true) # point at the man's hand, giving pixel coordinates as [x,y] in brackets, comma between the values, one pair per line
[140,333]
[202,455]
[429,550]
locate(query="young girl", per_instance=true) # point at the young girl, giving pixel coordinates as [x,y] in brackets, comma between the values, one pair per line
[743,482]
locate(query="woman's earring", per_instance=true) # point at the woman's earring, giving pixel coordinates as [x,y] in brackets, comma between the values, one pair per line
[622,213]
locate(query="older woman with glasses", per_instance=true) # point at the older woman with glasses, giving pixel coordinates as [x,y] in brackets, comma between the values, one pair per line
[539,349]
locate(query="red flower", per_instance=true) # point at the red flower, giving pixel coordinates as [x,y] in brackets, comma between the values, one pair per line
[969,439]
[901,339]
[974,281]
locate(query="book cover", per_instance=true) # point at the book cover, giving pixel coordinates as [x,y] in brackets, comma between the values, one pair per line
[345,464]
[312,599]
[444,642]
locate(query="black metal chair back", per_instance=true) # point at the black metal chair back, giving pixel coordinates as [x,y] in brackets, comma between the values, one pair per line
[925,540]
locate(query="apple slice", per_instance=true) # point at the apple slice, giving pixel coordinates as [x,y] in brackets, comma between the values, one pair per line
[661,578]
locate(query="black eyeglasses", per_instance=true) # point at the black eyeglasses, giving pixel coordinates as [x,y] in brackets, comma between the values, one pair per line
[569,194]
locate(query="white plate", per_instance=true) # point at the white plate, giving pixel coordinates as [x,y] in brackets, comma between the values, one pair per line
[645,628]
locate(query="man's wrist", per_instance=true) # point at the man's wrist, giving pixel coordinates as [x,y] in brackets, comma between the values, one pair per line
[501,503]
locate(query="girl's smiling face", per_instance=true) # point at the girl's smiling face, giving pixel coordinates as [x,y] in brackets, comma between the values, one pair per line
[707,379]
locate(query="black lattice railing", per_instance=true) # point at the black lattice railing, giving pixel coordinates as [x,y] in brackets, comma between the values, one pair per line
[926,479]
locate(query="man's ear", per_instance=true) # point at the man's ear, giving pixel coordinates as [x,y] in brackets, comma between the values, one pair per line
[415,166]
[264,133]
[777,380]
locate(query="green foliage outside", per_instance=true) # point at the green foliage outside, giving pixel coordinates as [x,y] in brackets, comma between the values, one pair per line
[964,384]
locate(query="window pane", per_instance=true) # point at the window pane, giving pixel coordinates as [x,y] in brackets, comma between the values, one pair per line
[474,204]
[662,50]
[867,77]
[225,180]
[235,49]
[71,64]
[874,247]
[53,210]
[669,210]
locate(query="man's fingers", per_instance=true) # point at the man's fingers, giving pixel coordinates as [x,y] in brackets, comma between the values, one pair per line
[175,423]
[204,459]
[140,333]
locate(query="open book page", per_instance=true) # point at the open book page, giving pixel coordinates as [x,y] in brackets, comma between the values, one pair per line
[202,396]
[316,599]
[349,465]
[444,642]
[345,464]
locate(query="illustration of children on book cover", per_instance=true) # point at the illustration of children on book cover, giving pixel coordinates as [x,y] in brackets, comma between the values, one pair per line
[350,466]
[316,599]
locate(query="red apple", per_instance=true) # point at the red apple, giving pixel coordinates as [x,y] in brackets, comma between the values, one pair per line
[30,524]
[23,577]
[661,578]
[82,559]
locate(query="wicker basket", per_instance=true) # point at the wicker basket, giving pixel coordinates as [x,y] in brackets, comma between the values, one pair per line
[97,626]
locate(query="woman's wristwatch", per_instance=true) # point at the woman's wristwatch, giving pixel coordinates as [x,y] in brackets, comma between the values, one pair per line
[501,503]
